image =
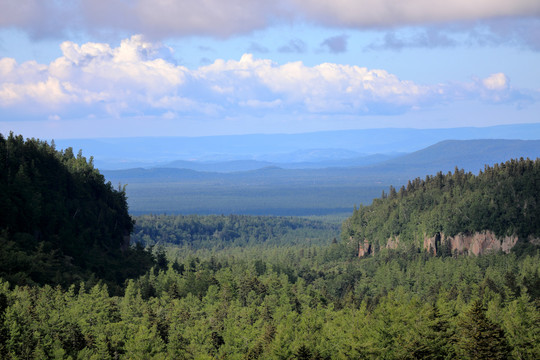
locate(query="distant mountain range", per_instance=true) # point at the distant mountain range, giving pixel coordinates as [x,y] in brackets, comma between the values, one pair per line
[309,150]
[266,188]
[247,165]
[470,155]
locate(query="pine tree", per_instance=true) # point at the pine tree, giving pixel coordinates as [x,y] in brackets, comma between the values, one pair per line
[303,353]
[480,337]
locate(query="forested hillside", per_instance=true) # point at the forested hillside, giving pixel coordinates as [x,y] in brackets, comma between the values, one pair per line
[241,287]
[500,202]
[60,222]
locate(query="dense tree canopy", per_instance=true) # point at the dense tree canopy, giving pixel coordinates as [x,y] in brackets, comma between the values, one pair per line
[504,199]
[237,287]
[295,304]
[219,231]
[59,220]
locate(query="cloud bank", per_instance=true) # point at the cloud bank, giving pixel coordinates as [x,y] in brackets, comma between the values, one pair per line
[166,18]
[137,78]
[381,13]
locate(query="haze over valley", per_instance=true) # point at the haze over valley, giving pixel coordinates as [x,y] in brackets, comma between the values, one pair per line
[305,174]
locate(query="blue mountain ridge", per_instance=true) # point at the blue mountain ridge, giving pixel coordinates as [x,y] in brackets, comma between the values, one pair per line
[317,147]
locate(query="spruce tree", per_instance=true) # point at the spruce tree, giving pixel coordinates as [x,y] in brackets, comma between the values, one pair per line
[480,337]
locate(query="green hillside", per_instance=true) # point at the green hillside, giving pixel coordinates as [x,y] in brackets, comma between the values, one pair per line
[60,222]
[503,199]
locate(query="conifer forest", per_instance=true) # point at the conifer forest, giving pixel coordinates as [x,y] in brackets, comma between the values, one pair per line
[445,267]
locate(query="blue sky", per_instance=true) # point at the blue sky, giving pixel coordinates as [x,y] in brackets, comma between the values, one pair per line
[115,68]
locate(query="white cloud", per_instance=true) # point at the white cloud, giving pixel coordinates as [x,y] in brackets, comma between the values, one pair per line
[322,88]
[136,78]
[496,82]
[93,73]
[29,80]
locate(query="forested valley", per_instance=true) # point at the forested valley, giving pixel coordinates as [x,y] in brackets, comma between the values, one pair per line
[75,286]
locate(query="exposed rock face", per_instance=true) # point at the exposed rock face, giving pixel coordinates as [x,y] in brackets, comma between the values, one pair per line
[478,243]
[431,244]
[364,249]
[393,242]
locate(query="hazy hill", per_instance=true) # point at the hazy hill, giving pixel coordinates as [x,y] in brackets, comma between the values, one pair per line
[278,191]
[123,153]
[248,165]
[470,155]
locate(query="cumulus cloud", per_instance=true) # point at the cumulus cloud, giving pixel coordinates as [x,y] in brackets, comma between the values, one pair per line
[496,88]
[92,73]
[136,78]
[325,88]
[496,82]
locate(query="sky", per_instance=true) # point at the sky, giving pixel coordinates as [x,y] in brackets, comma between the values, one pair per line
[121,68]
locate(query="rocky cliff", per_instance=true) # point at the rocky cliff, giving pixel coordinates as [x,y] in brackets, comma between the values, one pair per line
[364,248]
[478,243]
[454,213]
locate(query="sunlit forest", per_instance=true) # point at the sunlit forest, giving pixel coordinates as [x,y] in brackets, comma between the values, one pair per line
[82,279]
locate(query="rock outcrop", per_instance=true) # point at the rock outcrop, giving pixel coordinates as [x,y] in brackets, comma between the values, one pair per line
[392,242]
[478,243]
[364,248]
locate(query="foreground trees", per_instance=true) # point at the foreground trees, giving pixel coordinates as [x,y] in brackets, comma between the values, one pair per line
[393,306]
